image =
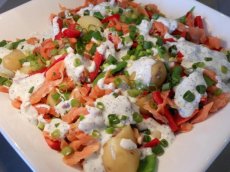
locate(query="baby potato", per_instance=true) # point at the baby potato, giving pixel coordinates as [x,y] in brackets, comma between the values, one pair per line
[159,73]
[12,60]
[117,159]
[87,22]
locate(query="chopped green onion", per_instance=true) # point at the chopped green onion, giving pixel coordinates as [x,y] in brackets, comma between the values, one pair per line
[95,134]
[100,106]
[15,44]
[75,103]
[41,126]
[218,92]
[57,124]
[54,52]
[224,69]
[56,134]
[97,35]
[201,89]
[158,150]
[81,117]
[115,95]
[120,66]
[166,86]
[208,81]
[147,44]
[98,15]
[0,61]
[172,51]
[93,49]
[155,16]
[164,143]
[228,55]
[31,90]
[67,150]
[189,96]
[208,59]
[3,43]
[146,138]
[86,12]
[133,92]
[148,164]
[113,119]
[77,62]
[137,117]
[176,75]
[198,64]
[148,132]
[111,60]
[101,75]
[117,81]
[56,96]
[160,41]
[109,130]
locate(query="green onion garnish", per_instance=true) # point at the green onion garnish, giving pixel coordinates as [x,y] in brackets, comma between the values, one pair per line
[109,130]
[124,117]
[133,92]
[77,62]
[56,96]
[164,143]
[208,81]
[224,69]
[3,43]
[176,75]
[155,16]
[100,106]
[208,59]
[137,117]
[218,92]
[56,134]
[67,151]
[95,134]
[41,126]
[31,90]
[81,117]
[146,138]
[201,89]
[189,96]
[117,81]
[147,44]
[158,150]
[198,64]
[166,86]
[111,60]
[86,12]
[98,15]
[113,119]
[75,103]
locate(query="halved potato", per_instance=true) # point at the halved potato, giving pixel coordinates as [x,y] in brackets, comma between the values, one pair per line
[116,158]
[89,22]
[12,60]
[159,73]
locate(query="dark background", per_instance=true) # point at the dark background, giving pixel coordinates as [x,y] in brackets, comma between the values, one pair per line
[11,162]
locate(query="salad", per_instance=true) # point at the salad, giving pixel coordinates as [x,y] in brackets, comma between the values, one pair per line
[115,82]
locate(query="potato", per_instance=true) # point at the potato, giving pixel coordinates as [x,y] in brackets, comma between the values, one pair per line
[117,159]
[141,101]
[159,73]
[89,22]
[12,60]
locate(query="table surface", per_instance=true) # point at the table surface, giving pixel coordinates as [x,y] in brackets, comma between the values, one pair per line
[11,162]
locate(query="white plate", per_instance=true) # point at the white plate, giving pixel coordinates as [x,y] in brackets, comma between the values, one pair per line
[191,152]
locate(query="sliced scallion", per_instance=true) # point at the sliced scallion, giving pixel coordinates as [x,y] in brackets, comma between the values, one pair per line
[67,150]
[201,89]
[56,134]
[137,117]
[189,96]
[224,69]
[100,106]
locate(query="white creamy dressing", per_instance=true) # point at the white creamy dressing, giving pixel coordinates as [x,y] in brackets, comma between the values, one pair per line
[103,86]
[63,107]
[94,163]
[107,48]
[119,106]
[142,68]
[189,83]
[76,72]
[145,152]
[20,89]
[194,53]
[22,84]
[55,26]
[171,24]
[26,48]
[57,123]
[93,121]
[41,119]
[128,144]
[97,8]
[153,125]
[3,53]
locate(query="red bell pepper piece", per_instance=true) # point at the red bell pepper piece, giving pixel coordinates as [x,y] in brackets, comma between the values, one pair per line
[198,22]
[180,56]
[60,23]
[98,59]
[169,40]
[71,33]
[156,95]
[172,124]
[112,17]
[56,145]
[152,143]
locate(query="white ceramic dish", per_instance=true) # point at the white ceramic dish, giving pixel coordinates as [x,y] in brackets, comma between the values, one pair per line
[191,152]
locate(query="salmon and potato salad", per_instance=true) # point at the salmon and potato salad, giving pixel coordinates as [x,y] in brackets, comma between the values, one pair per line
[115,81]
